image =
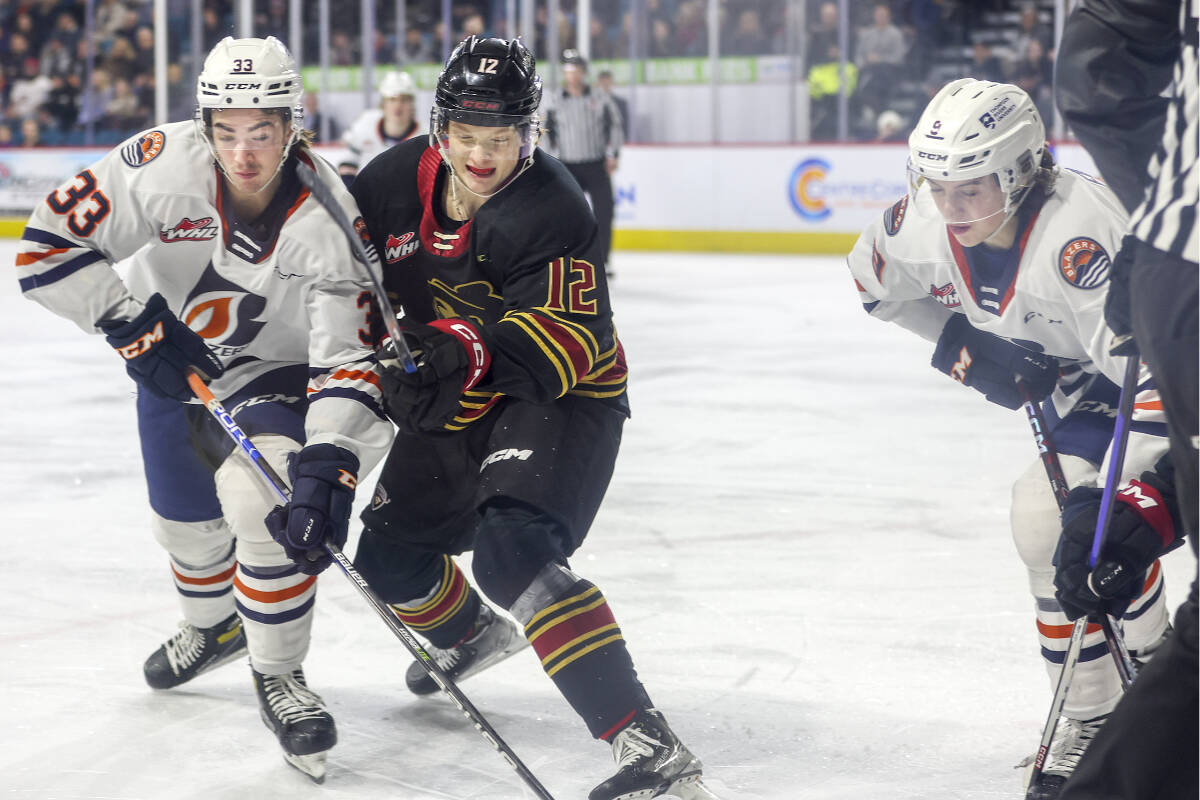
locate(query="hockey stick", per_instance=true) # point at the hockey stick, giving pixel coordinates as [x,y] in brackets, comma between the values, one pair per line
[368,259]
[271,478]
[1058,485]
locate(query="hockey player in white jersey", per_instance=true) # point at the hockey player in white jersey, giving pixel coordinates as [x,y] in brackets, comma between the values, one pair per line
[193,246]
[1001,259]
[377,129]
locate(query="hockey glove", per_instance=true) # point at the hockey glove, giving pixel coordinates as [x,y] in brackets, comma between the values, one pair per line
[323,480]
[1145,524]
[1116,300]
[992,365]
[159,350]
[451,358]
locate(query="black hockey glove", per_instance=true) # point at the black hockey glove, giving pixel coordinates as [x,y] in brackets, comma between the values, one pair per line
[992,365]
[323,478]
[1116,301]
[159,350]
[1145,524]
[451,358]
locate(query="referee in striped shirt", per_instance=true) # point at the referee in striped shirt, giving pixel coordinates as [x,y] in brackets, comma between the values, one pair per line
[1127,80]
[584,129]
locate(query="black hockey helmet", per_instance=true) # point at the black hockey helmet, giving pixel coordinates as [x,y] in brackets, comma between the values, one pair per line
[489,82]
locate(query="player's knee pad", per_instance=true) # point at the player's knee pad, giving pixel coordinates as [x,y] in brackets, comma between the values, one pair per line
[398,573]
[246,499]
[195,545]
[514,542]
[1036,521]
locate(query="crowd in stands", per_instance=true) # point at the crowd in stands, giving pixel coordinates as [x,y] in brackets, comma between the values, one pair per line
[900,53]
[61,84]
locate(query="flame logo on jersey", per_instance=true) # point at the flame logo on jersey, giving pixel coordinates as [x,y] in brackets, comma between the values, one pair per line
[398,248]
[144,149]
[225,314]
[1084,263]
[946,295]
[189,230]
[805,189]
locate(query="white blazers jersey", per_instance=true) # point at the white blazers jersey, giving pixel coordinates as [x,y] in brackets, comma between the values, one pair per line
[910,270]
[365,138]
[148,218]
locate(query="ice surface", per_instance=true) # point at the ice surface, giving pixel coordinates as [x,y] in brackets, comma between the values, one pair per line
[806,544]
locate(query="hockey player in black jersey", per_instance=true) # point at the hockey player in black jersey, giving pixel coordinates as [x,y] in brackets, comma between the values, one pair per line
[509,429]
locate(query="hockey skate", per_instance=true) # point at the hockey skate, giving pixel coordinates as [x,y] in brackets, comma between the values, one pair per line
[492,639]
[1071,739]
[651,761]
[297,717]
[193,651]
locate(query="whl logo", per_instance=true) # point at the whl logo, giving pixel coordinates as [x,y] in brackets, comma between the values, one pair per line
[190,230]
[504,455]
[398,248]
[946,295]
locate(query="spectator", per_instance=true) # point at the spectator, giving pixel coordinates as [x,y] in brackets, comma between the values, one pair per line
[604,82]
[1031,29]
[93,103]
[56,59]
[691,30]
[890,127]
[343,51]
[30,90]
[122,59]
[824,85]
[6,135]
[110,17]
[748,38]
[13,64]
[881,45]
[1035,74]
[662,44]
[984,65]
[62,103]
[124,112]
[823,34]
[314,117]
[417,47]
[881,51]
[31,133]
[603,46]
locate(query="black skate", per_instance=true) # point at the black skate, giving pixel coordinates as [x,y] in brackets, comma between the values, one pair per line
[1071,739]
[193,651]
[651,761]
[492,639]
[297,717]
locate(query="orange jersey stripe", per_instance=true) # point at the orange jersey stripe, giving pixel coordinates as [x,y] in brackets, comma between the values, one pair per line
[25,259]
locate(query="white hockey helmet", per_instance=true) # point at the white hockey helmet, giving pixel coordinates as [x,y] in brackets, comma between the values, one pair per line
[397,84]
[972,129]
[251,73]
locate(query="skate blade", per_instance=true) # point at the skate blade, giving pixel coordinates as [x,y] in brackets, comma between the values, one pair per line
[311,765]
[691,788]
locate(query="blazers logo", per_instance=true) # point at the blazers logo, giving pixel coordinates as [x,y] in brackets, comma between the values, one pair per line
[190,230]
[398,248]
[144,149]
[1084,263]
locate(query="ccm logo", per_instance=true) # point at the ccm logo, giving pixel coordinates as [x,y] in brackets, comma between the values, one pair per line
[142,344]
[481,105]
[240,86]
[473,346]
[933,156]
[347,479]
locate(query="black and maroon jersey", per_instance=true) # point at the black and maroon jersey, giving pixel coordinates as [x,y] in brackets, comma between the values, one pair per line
[526,270]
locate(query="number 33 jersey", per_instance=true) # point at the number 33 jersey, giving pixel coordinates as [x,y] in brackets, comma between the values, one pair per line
[525,269]
[151,216]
